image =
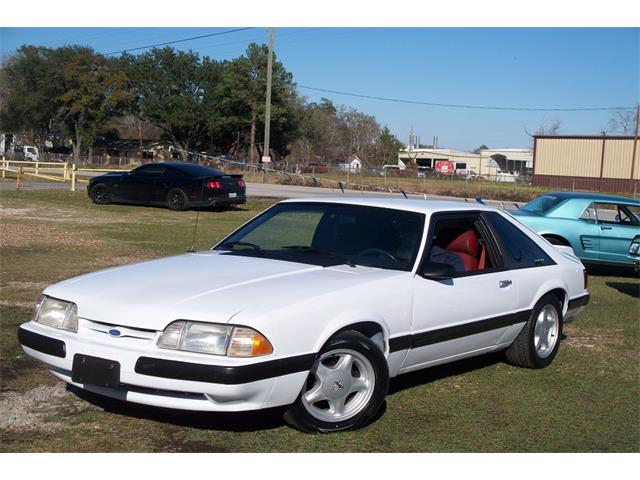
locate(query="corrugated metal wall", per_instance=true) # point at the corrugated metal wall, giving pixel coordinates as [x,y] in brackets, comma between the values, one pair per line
[565,161]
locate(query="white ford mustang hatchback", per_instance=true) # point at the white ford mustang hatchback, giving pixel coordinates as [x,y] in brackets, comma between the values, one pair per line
[314,305]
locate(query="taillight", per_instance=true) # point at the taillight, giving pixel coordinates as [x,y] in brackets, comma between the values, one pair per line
[241,183]
[214,184]
[586,279]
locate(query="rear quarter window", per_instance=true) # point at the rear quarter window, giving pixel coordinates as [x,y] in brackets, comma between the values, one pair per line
[518,250]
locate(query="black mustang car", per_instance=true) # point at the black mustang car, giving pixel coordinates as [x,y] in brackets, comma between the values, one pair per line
[177,185]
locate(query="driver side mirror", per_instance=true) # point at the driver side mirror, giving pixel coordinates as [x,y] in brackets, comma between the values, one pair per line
[437,271]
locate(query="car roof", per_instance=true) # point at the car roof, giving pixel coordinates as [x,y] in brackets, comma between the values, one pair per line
[603,197]
[192,168]
[422,206]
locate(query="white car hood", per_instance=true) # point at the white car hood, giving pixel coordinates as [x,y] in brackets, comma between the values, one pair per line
[204,286]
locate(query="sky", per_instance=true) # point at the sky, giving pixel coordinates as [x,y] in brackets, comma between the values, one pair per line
[497,67]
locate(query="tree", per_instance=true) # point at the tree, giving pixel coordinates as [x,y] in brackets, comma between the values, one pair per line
[481,147]
[549,127]
[388,146]
[242,96]
[30,83]
[622,122]
[174,91]
[95,90]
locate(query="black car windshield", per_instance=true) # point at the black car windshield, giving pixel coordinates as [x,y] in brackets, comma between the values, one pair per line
[542,205]
[329,234]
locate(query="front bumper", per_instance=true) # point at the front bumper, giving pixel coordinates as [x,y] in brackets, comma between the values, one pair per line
[171,379]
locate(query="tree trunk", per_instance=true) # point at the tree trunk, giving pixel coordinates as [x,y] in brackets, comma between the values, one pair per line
[140,135]
[253,137]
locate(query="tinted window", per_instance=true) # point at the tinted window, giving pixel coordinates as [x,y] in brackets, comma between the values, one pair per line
[153,170]
[195,170]
[174,173]
[542,205]
[519,250]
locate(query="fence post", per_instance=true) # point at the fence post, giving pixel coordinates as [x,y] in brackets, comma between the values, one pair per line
[66,171]
[4,165]
[73,177]
[37,164]
[18,174]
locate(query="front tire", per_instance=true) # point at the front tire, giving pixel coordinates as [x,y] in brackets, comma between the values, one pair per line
[537,344]
[345,389]
[177,199]
[101,195]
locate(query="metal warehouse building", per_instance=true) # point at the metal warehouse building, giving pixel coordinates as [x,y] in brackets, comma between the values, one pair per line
[600,163]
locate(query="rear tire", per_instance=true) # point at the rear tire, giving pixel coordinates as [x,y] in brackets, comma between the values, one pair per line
[177,200]
[537,344]
[345,389]
[100,194]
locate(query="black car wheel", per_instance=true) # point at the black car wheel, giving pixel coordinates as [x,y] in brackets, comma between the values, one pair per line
[345,389]
[177,199]
[101,195]
[537,344]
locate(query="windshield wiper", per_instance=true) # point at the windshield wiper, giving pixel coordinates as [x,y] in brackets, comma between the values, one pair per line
[315,251]
[252,246]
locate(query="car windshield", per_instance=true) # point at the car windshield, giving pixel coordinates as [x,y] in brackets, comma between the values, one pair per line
[542,205]
[329,234]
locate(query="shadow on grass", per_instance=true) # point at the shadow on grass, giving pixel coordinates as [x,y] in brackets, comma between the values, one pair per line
[428,375]
[611,271]
[631,289]
[231,421]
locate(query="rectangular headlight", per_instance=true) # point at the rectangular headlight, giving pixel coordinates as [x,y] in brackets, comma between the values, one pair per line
[196,337]
[214,339]
[57,314]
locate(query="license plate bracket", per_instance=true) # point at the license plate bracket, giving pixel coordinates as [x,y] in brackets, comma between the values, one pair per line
[233,195]
[90,370]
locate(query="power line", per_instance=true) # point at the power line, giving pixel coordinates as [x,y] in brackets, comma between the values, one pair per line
[474,107]
[181,40]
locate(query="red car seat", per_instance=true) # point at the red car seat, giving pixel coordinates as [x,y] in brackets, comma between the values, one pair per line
[466,247]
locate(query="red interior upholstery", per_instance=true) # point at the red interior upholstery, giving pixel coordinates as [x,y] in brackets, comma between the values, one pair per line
[467,248]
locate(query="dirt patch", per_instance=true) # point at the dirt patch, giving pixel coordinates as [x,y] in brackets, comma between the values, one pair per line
[27,285]
[21,234]
[598,341]
[39,408]
[8,303]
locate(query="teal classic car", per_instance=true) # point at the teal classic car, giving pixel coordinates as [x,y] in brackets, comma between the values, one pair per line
[598,227]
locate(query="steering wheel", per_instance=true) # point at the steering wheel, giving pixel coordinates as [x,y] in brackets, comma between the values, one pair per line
[378,252]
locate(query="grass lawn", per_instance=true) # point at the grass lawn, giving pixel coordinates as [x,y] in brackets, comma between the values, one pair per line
[587,400]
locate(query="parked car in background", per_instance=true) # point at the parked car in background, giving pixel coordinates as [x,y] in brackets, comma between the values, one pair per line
[177,185]
[314,305]
[599,228]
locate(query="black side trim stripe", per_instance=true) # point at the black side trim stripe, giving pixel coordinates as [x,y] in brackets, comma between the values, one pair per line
[42,343]
[579,301]
[198,372]
[457,331]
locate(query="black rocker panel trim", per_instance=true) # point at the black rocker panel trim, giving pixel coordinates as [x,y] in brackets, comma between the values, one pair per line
[42,343]
[579,301]
[423,339]
[198,372]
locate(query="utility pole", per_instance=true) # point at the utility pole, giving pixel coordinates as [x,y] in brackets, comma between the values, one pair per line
[635,147]
[267,111]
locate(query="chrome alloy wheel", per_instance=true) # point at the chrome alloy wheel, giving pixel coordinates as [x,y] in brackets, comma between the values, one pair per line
[340,385]
[545,331]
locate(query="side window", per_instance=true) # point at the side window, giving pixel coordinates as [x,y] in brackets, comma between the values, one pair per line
[173,173]
[613,214]
[519,250]
[460,241]
[149,171]
[589,214]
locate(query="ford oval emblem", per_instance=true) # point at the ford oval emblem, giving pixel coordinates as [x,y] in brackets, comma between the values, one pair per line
[115,332]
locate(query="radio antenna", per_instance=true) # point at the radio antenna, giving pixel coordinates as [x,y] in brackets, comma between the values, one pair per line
[195,231]
[195,227]
[404,193]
